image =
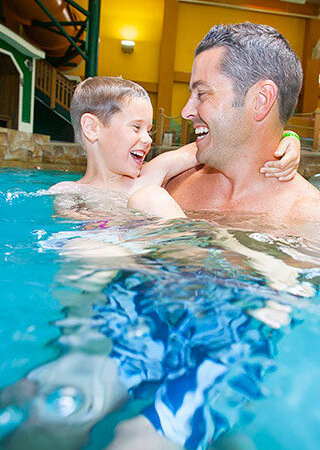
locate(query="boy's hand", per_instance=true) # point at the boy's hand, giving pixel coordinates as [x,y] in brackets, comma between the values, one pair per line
[285,168]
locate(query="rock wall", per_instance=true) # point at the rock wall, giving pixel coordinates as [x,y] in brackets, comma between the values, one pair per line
[21,149]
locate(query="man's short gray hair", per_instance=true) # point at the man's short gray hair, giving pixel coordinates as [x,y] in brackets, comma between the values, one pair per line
[254,53]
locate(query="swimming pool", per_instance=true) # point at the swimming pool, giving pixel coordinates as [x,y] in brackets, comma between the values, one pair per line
[209,327]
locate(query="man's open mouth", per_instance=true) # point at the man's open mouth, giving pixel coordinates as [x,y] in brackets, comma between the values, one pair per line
[201,132]
[138,156]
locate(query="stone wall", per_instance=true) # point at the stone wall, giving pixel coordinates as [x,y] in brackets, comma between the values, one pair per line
[21,149]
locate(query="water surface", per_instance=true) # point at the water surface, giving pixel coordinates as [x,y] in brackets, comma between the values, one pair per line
[160,300]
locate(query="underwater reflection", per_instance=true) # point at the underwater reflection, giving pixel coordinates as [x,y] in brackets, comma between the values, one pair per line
[182,320]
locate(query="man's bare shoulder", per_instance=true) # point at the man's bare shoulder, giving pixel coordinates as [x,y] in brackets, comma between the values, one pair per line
[306,206]
[192,176]
[65,187]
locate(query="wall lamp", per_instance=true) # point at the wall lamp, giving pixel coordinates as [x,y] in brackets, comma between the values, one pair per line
[127,46]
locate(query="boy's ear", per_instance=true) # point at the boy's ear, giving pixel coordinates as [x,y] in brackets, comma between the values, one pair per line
[265,96]
[90,127]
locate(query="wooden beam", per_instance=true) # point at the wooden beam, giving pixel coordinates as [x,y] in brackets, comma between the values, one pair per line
[167,59]
[182,77]
[53,93]
[150,87]
[316,134]
[311,67]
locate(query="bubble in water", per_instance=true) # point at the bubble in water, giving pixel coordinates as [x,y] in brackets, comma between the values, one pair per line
[64,401]
[10,418]
[139,329]
[5,418]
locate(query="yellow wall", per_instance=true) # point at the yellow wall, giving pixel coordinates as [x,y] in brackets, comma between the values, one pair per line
[138,20]
[200,18]
[141,20]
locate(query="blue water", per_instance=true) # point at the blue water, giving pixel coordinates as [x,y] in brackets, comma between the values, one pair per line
[168,302]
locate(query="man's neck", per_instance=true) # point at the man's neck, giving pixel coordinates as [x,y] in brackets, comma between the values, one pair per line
[236,185]
[241,177]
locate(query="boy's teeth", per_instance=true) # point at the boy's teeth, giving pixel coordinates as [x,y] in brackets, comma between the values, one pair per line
[138,153]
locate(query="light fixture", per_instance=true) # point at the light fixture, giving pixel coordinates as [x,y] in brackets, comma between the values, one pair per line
[29,64]
[127,46]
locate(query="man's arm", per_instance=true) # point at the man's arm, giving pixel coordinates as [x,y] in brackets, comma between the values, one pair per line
[167,165]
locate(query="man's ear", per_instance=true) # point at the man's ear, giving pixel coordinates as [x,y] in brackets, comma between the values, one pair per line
[265,96]
[90,126]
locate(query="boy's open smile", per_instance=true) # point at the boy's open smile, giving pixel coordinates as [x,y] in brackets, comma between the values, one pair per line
[138,156]
[127,139]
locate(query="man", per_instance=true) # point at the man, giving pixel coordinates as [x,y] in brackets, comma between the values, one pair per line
[244,87]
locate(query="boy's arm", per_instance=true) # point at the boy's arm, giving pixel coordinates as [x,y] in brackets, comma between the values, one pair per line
[67,201]
[285,168]
[167,165]
[63,187]
[156,201]
[70,206]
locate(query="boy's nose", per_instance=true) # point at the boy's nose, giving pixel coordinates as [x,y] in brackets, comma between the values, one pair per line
[146,139]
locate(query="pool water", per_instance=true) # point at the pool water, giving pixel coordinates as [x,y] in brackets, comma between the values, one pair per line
[208,329]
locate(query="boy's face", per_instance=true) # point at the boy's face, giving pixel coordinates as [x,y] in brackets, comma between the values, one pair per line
[126,139]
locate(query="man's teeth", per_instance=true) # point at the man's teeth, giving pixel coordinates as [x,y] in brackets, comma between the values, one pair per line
[201,132]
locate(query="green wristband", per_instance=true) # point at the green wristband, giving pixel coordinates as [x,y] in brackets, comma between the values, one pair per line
[290,133]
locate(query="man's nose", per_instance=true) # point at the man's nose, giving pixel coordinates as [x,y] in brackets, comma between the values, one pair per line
[188,111]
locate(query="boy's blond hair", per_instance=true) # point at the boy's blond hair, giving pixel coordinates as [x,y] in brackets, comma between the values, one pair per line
[103,97]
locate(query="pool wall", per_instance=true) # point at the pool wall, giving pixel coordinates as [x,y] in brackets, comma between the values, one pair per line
[27,150]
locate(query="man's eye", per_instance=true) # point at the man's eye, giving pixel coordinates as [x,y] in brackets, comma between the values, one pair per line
[136,127]
[200,95]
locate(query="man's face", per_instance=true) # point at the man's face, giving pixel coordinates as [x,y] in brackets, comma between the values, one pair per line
[220,125]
